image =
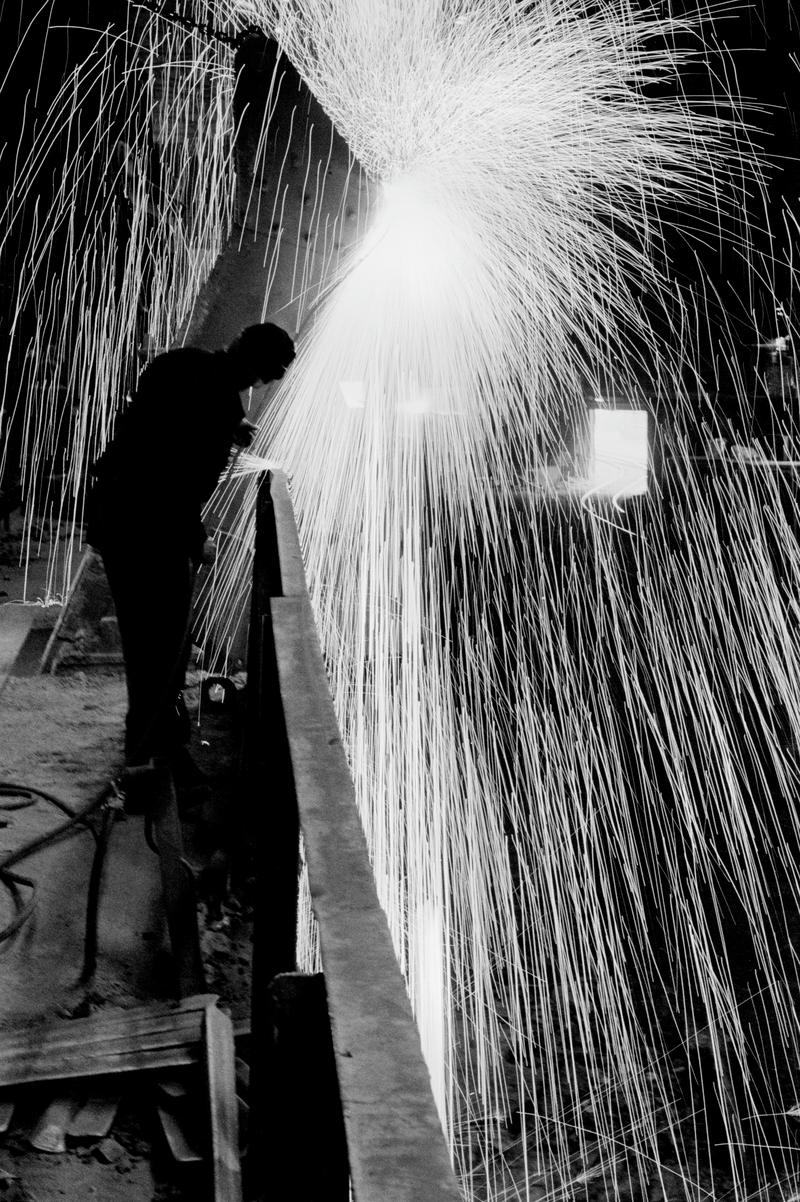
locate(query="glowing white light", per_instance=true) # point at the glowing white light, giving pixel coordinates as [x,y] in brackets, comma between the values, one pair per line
[431,1001]
[353,393]
[419,403]
[620,451]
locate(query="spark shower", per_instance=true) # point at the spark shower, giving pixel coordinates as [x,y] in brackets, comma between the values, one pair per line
[573,724]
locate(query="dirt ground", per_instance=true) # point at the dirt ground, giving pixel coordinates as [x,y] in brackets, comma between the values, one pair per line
[62,733]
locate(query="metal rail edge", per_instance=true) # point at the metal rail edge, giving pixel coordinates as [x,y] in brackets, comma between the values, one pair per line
[395,1147]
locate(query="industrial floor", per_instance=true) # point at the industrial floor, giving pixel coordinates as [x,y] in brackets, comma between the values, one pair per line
[62,733]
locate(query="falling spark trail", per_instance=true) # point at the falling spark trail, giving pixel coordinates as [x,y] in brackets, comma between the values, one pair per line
[107,253]
[572,724]
[525,718]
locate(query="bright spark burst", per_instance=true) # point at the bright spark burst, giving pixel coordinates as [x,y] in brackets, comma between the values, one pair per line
[573,729]
[119,203]
[538,701]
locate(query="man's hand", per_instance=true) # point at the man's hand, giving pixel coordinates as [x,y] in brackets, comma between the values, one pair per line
[243,434]
[209,553]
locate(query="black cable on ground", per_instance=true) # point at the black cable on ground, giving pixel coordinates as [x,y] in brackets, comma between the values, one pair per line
[107,820]
[12,881]
[28,796]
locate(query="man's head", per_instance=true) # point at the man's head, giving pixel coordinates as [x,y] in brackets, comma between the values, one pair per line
[261,352]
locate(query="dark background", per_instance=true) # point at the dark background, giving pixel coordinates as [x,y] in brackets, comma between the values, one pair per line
[759,43]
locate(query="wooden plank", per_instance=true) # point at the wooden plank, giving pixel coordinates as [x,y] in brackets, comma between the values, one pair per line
[49,1132]
[184,1036]
[180,1143]
[95,1117]
[75,593]
[223,1106]
[242,1077]
[73,1067]
[106,1025]
[103,1053]
[185,1029]
[16,622]
[244,1125]
[65,1064]
[292,568]
[176,1029]
[172,1089]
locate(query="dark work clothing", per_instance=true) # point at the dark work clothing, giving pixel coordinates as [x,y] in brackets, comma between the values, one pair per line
[167,455]
[153,598]
[144,517]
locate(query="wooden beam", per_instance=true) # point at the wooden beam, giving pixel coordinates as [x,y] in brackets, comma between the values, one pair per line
[105,1024]
[223,1105]
[127,1041]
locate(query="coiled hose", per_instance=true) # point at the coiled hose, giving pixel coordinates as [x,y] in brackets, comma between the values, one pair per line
[27,795]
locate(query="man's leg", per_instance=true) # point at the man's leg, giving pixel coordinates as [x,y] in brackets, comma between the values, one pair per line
[153,599]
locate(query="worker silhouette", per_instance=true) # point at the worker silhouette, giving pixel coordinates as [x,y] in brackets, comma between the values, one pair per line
[144,517]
